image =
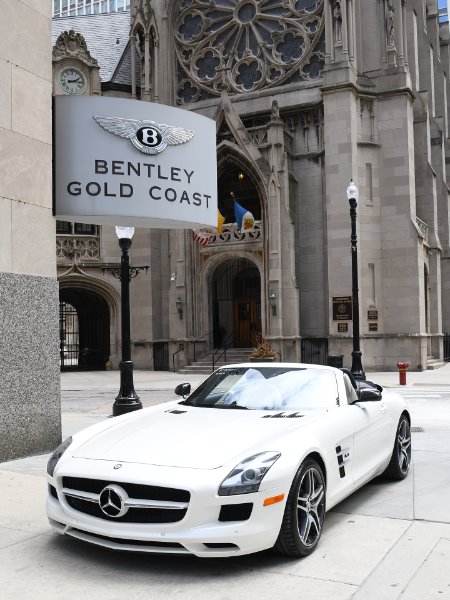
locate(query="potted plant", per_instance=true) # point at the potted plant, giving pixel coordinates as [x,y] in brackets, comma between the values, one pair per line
[262,351]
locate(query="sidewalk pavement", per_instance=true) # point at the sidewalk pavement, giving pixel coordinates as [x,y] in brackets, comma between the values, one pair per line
[387,541]
[167,380]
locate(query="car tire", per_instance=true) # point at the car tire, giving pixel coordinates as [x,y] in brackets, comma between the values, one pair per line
[401,454]
[304,513]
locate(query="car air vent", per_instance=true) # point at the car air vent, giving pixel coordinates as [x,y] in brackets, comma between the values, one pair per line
[295,415]
[236,512]
[176,412]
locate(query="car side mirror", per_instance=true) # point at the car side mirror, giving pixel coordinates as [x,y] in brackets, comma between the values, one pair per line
[369,395]
[183,389]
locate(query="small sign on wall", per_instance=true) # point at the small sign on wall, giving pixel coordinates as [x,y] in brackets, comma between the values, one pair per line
[373,326]
[342,327]
[342,308]
[372,315]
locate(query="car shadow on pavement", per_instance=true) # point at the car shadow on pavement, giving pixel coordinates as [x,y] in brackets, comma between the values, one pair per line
[189,566]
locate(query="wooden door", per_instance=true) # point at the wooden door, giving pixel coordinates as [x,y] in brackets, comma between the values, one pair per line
[247,322]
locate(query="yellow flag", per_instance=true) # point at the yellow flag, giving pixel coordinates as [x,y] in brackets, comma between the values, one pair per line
[220,221]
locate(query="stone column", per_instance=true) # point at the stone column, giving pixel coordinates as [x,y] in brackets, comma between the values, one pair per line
[281,243]
[133,65]
[155,71]
[274,234]
[147,97]
[341,116]
[329,35]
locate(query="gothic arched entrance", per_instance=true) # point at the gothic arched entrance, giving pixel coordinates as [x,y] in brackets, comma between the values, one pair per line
[83,330]
[236,298]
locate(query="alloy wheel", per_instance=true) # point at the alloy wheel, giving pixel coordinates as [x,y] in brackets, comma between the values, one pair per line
[404,446]
[311,506]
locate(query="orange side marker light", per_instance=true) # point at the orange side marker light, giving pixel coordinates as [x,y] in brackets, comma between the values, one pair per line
[273,500]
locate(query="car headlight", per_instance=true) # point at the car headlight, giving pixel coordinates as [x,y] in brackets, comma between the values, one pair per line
[54,458]
[246,477]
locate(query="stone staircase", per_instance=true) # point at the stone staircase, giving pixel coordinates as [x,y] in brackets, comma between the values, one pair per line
[204,365]
[434,363]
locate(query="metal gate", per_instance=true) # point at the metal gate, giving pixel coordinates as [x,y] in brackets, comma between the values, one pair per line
[161,356]
[315,351]
[447,347]
[69,336]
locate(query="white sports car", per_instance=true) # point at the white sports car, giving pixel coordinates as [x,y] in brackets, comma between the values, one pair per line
[250,460]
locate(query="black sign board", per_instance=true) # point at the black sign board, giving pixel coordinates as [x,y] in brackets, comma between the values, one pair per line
[342,308]
[342,327]
[373,326]
[372,315]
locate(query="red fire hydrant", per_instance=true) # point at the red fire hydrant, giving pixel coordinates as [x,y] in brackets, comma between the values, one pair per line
[402,367]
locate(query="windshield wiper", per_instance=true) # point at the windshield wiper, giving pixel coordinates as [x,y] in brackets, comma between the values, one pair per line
[236,406]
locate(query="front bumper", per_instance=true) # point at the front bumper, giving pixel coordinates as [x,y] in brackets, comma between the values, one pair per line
[199,532]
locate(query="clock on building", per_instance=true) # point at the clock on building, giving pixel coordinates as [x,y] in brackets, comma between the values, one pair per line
[72,81]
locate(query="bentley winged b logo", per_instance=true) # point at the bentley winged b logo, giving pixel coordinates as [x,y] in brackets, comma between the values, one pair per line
[147,136]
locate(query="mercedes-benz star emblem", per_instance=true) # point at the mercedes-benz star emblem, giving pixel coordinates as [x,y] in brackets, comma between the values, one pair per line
[112,501]
[147,136]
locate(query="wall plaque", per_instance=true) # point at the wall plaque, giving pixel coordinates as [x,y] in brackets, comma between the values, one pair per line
[372,315]
[342,327]
[342,308]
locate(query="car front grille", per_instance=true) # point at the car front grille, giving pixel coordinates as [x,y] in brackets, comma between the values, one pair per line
[145,503]
[134,490]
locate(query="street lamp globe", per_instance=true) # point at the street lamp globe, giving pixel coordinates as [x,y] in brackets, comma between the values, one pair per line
[124,232]
[352,191]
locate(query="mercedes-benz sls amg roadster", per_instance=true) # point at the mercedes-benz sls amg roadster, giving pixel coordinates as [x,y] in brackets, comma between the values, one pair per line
[252,459]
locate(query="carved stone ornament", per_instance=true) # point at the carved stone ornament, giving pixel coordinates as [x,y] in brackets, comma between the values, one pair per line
[259,44]
[390,30]
[70,43]
[337,15]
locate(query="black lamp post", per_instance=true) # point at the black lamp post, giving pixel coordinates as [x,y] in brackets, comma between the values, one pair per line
[357,369]
[127,400]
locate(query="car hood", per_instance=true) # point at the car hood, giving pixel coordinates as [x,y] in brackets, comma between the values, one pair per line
[190,437]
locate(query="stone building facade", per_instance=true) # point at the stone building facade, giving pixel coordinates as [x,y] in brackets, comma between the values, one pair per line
[307,95]
[30,382]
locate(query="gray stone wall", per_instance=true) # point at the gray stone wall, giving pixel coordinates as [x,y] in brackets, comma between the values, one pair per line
[30,384]
[29,370]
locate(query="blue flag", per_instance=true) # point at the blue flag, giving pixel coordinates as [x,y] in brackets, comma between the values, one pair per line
[244,219]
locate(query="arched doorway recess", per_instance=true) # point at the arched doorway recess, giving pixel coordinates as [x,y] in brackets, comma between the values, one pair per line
[84,329]
[235,183]
[236,303]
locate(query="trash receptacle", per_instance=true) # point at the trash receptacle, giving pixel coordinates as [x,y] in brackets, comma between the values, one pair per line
[335,360]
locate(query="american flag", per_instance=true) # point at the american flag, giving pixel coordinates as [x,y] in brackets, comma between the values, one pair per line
[202,238]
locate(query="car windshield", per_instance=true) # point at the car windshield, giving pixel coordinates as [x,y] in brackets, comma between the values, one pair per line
[267,388]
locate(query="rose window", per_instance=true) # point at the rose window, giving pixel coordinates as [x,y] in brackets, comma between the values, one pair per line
[246,45]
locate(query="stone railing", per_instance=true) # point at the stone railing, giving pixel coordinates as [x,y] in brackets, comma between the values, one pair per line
[231,235]
[84,248]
